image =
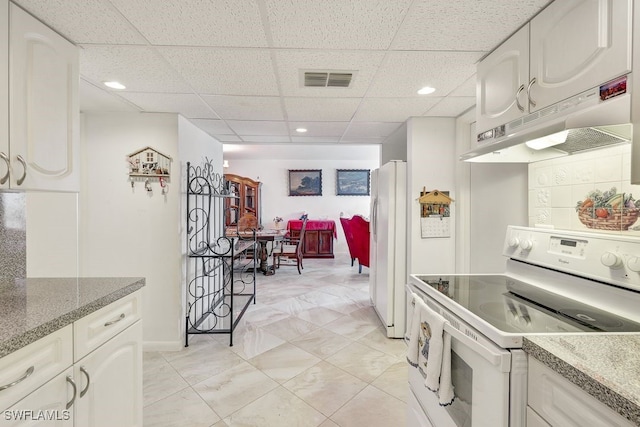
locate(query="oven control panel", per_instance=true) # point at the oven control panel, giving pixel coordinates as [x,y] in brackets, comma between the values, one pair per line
[605,257]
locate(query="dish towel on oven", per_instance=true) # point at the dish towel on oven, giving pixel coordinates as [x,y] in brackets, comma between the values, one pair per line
[429,349]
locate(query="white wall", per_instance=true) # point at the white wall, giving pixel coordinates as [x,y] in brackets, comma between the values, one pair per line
[127,231]
[273,173]
[431,164]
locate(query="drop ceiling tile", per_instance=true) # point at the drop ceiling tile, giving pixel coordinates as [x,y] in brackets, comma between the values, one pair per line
[393,109]
[227,138]
[93,98]
[468,88]
[187,104]
[258,128]
[291,62]
[84,21]
[266,138]
[196,22]
[139,68]
[369,130]
[403,73]
[321,109]
[216,71]
[312,139]
[463,25]
[322,129]
[451,106]
[355,140]
[213,127]
[335,24]
[246,107]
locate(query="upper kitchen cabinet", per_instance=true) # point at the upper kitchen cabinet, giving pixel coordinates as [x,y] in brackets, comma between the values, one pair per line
[576,45]
[43,146]
[4,94]
[569,47]
[501,82]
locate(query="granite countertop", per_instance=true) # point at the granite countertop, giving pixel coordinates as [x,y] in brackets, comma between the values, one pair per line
[33,308]
[605,366]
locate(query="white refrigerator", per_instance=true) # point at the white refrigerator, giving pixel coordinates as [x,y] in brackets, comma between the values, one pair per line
[388,250]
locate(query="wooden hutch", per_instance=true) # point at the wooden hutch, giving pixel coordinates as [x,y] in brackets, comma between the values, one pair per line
[245,200]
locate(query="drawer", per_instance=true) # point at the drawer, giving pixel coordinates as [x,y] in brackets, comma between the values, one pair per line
[562,403]
[93,330]
[33,365]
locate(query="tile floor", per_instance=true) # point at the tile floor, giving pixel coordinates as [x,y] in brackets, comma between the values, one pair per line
[310,352]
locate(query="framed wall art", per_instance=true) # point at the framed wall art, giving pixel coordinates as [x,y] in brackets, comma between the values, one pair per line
[305,182]
[353,182]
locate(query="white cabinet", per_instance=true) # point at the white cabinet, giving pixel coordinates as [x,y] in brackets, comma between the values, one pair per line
[4,95]
[502,78]
[110,382]
[102,388]
[46,407]
[560,403]
[569,47]
[42,149]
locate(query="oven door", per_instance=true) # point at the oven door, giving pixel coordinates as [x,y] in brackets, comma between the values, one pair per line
[480,373]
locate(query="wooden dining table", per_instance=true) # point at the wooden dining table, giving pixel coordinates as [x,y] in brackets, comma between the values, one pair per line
[264,237]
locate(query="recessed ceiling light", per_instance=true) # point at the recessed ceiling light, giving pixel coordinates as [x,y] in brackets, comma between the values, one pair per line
[115,85]
[301,130]
[426,90]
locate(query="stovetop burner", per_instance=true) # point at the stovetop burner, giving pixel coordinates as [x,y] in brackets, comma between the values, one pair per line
[515,306]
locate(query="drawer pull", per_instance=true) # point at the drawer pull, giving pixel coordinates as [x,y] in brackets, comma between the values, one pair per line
[24,170]
[26,375]
[75,391]
[84,371]
[115,321]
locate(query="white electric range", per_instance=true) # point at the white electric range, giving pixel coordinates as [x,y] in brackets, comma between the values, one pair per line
[556,282]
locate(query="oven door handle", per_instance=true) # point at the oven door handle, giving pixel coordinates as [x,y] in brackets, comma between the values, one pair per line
[501,360]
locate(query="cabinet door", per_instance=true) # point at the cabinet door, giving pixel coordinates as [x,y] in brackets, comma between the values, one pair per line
[46,406]
[311,242]
[4,94]
[578,45]
[502,79]
[43,96]
[325,242]
[110,382]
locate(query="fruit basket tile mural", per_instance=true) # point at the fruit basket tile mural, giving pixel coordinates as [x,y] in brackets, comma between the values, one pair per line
[608,210]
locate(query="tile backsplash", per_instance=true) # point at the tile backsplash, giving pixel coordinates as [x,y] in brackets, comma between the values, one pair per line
[557,186]
[13,250]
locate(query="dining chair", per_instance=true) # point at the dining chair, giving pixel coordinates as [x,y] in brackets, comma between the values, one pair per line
[291,248]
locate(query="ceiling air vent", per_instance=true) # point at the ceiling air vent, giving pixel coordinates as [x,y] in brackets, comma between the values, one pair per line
[327,78]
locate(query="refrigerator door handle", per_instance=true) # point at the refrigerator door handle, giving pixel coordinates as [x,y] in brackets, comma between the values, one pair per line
[374,220]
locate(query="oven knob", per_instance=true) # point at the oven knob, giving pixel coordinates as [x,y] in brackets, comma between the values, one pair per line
[611,260]
[634,264]
[526,245]
[513,242]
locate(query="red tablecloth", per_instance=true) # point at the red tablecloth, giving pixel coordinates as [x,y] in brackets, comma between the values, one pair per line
[296,224]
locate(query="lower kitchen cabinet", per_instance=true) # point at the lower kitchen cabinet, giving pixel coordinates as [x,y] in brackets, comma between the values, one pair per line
[103,387]
[46,406]
[554,401]
[109,382]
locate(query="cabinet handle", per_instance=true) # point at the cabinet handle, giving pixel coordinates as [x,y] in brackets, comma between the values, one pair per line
[84,371]
[520,89]
[115,321]
[26,375]
[531,83]
[6,175]
[24,166]
[75,392]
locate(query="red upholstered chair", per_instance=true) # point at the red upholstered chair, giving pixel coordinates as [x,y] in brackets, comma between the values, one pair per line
[357,239]
[346,228]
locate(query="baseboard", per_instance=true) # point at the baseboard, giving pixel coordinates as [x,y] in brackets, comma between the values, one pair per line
[162,346]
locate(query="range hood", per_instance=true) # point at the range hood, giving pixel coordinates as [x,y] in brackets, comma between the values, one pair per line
[586,121]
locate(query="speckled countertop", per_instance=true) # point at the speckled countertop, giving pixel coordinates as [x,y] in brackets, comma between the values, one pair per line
[605,366]
[33,308]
